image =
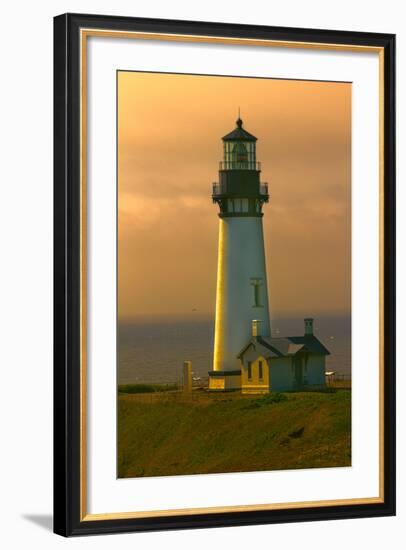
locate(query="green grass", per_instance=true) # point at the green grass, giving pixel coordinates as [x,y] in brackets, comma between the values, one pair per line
[233,433]
[146,388]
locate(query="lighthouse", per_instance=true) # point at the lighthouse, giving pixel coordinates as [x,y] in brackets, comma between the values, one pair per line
[242,292]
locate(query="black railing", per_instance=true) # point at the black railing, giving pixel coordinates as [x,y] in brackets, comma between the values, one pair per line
[234,165]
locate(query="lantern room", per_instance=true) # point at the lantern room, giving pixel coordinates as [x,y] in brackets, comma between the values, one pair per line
[239,150]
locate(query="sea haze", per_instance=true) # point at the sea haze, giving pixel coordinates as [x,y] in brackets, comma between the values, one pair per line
[153,349]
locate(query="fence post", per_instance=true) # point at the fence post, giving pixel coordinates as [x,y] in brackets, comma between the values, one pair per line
[187,376]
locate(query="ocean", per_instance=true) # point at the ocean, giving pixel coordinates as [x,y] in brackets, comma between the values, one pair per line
[153,349]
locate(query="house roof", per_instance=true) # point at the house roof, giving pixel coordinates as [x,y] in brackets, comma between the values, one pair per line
[312,343]
[261,347]
[287,346]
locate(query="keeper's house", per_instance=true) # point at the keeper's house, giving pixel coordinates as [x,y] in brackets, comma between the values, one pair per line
[282,364]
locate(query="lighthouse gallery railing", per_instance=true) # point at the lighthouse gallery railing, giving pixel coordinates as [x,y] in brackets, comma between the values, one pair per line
[243,165]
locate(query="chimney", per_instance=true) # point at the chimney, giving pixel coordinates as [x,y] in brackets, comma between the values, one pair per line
[256,328]
[308,327]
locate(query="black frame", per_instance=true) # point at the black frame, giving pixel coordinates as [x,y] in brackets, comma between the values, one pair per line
[67,275]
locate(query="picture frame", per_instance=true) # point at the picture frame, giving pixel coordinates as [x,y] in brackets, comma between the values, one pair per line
[73,391]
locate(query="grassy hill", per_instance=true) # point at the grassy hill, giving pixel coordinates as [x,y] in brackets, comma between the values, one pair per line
[168,434]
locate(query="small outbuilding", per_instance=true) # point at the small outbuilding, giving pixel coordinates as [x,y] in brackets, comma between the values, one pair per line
[292,363]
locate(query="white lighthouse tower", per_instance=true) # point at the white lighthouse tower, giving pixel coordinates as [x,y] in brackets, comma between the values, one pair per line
[242,292]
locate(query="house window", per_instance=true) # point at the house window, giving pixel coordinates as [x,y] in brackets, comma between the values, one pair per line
[249,370]
[260,370]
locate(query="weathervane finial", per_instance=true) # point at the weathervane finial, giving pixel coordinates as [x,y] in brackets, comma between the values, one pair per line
[239,121]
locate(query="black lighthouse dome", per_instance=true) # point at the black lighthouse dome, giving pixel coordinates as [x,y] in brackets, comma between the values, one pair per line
[239,133]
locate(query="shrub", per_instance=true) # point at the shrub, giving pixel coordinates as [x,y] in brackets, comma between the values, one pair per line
[267,399]
[270,398]
[146,388]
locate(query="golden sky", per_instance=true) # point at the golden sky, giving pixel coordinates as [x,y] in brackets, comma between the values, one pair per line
[169,145]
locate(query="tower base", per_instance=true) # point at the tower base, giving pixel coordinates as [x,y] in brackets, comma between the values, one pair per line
[224,380]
